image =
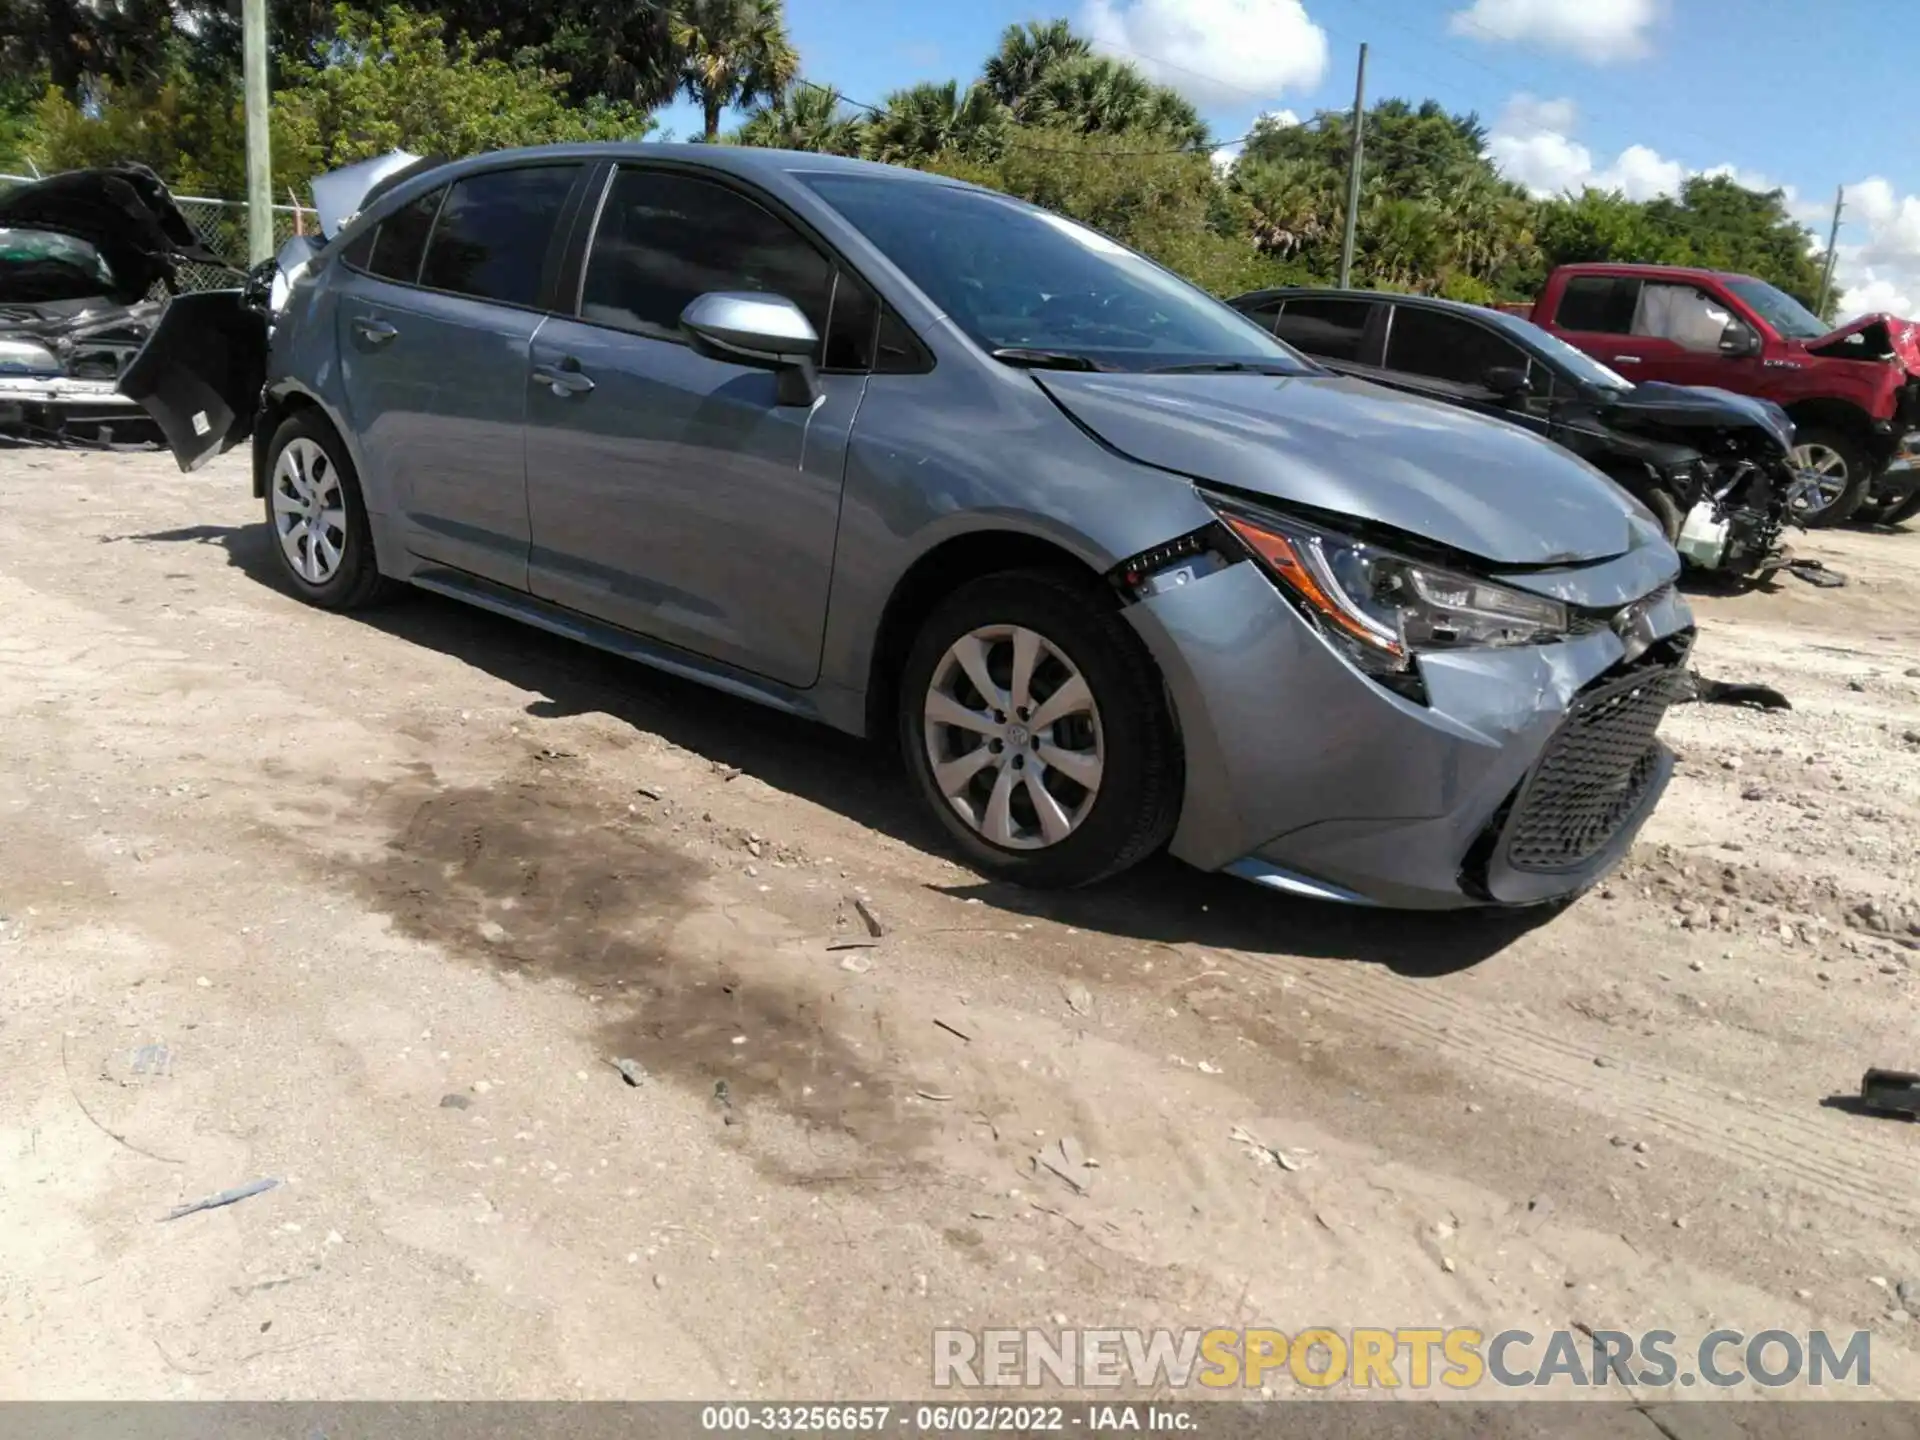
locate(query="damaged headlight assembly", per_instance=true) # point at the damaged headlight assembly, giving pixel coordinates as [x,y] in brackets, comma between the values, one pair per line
[1382,608]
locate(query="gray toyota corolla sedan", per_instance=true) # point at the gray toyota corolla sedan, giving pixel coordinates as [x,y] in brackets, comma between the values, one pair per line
[1118,569]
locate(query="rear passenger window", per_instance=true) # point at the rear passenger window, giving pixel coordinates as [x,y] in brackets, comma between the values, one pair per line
[666,239]
[402,239]
[1598,304]
[492,236]
[1335,329]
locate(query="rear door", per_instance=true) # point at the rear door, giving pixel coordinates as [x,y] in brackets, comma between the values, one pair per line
[433,341]
[1343,330]
[1596,313]
[672,494]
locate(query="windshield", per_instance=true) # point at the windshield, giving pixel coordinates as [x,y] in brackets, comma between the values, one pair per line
[1020,279]
[1789,319]
[39,265]
[1583,366]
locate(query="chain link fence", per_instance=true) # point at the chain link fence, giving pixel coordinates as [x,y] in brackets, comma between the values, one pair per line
[222,227]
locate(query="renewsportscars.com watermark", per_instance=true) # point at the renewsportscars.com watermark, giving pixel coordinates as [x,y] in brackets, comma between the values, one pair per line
[1394,1359]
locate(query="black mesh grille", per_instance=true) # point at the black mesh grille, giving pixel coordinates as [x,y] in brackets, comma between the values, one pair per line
[1593,774]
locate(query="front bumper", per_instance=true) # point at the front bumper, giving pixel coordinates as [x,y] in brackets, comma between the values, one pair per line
[1305,775]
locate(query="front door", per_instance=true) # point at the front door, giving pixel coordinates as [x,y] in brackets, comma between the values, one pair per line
[1450,357]
[671,494]
[434,340]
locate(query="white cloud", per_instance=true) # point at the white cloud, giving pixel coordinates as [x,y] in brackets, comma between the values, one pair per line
[1882,270]
[1227,156]
[1532,143]
[1596,30]
[1215,52]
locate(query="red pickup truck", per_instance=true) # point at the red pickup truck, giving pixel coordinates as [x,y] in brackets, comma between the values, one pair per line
[1853,393]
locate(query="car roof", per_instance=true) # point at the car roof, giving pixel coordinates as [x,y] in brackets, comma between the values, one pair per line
[1641,271]
[1328,292]
[746,160]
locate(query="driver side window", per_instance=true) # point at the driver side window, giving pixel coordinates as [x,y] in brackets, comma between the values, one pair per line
[664,239]
[1690,318]
[1448,347]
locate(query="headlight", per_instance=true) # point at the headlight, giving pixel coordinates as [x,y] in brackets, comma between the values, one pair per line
[1387,608]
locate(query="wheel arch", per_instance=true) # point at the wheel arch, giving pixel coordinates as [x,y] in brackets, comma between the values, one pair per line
[276,407]
[937,573]
[1827,413]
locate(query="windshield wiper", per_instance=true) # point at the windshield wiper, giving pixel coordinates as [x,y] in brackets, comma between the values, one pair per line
[1226,367]
[1032,359]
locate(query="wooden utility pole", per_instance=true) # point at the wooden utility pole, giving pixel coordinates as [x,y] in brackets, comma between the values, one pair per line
[1833,239]
[253,55]
[1353,169]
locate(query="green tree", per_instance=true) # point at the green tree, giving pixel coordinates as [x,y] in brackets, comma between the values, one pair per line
[810,118]
[930,119]
[1097,95]
[1027,54]
[733,52]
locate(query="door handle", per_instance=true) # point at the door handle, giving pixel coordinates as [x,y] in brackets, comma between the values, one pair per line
[563,379]
[374,332]
[1626,359]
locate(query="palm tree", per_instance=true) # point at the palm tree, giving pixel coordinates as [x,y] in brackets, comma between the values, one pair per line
[928,118]
[1291,204]
[1026,54]
[1098,95]
[732,52]
[811,118]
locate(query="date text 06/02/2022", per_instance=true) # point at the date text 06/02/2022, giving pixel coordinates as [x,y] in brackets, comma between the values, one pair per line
[949,1419]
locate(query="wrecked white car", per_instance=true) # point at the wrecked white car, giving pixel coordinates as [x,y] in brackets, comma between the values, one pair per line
[87,261]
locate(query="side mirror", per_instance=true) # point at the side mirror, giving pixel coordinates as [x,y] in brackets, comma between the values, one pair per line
[1739,340]
[768,332]
[1509,382]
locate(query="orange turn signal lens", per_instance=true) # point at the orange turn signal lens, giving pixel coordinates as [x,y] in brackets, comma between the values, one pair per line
[1283,558]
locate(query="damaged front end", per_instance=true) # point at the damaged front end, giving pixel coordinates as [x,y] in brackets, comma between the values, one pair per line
[86,258]
[1729,471]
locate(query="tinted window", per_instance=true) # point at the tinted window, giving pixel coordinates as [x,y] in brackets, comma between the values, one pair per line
[403,237]
[1446,347]
[1263,314]
[1333,328]
[899,351]
[1012,276]
[664,240]
[856,310]
[359,251]
[1599,304]
[492,235]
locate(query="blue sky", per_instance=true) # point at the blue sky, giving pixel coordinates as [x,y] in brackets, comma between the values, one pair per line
[1634,94]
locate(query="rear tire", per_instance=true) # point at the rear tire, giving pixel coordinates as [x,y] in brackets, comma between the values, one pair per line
[317,518]
[1080,776]
[1905,510]
[1873,511]
[1846,469]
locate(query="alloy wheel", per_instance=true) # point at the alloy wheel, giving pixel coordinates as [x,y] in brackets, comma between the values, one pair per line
[309,511]
[1826,473]
[1013,736]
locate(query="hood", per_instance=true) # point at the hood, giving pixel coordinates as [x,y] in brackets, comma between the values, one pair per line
[339,194]
[1658,409]
[1479,486]
[1872,337]
[124,212]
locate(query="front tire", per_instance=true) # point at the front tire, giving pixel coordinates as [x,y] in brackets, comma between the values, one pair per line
[318,517]
[1843,469]
[1037,730]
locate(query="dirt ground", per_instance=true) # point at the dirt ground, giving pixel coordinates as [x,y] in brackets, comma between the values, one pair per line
[369,904]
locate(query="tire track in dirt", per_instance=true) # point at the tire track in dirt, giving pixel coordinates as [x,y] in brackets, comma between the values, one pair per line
[1751,1132]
